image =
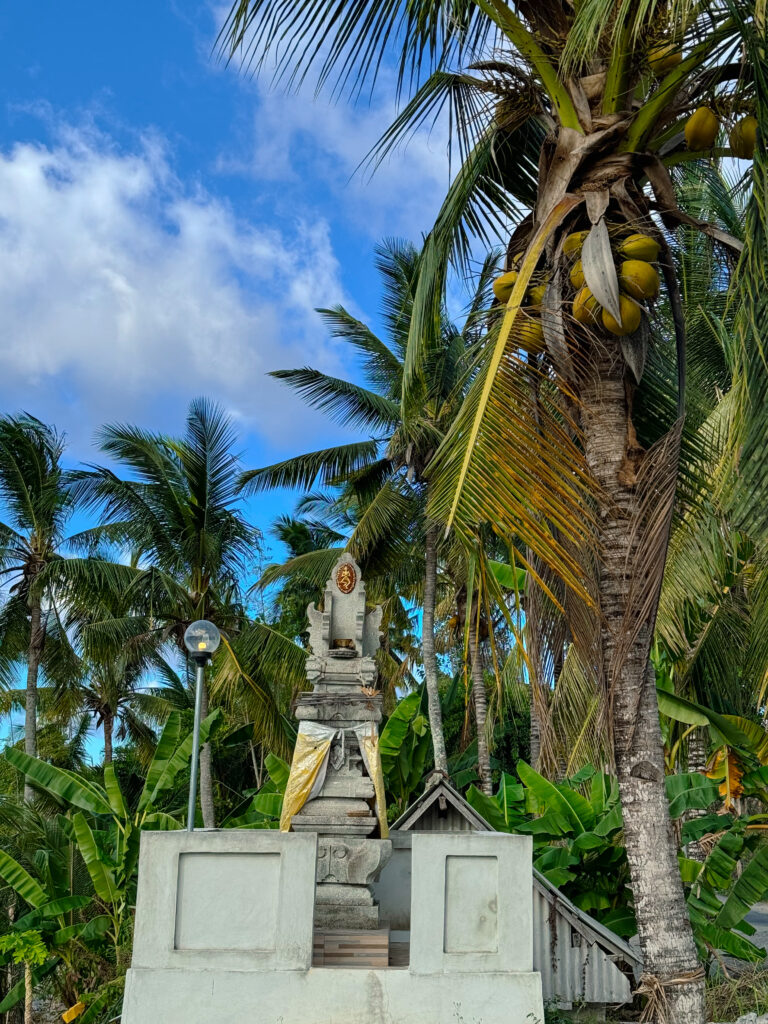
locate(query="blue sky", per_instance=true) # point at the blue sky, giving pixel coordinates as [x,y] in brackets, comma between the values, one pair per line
[167,225]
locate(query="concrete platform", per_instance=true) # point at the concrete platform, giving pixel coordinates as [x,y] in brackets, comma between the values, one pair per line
[331,995]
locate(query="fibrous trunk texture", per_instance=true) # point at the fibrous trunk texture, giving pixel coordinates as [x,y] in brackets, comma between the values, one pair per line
[481,712]
[672,976]
[206,774]
[108,726]
[28,987]
[697,762]
[35,654]
[428,650]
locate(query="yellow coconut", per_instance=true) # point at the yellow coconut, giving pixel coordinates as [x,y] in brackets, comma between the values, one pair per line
[577,275]
[639,279]
[631,315]
[663,57]
[640,247]
[701,129]
[529,335]
[536,295]
[502,286]
[574,242]
[586,309]
[743,138]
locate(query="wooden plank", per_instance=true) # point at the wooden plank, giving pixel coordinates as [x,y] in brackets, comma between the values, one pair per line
[365,949]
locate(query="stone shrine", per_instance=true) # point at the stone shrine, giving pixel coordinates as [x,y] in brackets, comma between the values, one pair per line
[336,786]
[255,926]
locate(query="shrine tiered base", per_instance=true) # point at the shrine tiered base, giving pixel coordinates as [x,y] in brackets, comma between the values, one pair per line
[225,932]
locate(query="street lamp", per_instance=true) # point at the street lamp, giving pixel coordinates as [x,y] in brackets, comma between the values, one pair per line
[201,639]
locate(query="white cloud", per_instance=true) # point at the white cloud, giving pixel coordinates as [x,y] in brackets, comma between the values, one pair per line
[293,134]
[123,292]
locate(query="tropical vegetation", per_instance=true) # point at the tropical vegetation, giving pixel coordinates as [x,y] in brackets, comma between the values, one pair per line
[556,494]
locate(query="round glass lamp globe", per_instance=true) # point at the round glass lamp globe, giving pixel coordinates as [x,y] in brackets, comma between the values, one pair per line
[202,637]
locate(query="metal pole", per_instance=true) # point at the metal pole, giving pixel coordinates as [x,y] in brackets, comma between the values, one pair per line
[199,683]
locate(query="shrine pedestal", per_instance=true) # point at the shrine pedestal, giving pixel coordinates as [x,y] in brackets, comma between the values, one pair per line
[225,935]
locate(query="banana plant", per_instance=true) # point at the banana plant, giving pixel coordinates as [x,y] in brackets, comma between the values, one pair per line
[405,748]
[103,828]
[262,807]
[739,746]
[720,897]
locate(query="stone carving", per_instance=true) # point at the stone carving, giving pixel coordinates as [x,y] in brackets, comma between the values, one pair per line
[344,638]
[346,578]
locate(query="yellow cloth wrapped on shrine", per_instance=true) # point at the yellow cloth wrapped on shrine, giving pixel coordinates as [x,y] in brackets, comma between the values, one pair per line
[310,763]
[310,760]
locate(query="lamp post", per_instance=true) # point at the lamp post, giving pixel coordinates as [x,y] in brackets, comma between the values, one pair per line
[201,639]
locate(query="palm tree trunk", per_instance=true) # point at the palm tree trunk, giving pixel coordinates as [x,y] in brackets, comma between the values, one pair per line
[428,649]
[206,775]
[697,762]
[108,726]
[671,966]
[481,712]
[35,654]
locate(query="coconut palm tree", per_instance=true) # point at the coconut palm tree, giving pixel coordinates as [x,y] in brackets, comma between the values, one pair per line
[606,96]
[384,479]
[39,581]
[180,511]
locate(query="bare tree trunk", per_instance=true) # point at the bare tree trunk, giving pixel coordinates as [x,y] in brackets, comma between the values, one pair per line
[108,727]
[481,711]
[535,735]
[428,649]
[35,654]
[206,775]
[27,993]
[671,967]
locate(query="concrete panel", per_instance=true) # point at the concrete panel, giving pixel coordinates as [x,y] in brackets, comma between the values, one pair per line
[331,995]
[392,889]
[471,903]
[241,900]
[245,912]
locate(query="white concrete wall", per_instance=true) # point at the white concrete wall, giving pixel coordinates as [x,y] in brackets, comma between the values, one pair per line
[236,899]
[471,903]
[224,936]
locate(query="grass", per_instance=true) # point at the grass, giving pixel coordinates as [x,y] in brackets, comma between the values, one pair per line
[728,999]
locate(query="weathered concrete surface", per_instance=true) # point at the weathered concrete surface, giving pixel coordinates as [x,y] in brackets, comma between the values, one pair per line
[471,903]
[233,899]
[331,995]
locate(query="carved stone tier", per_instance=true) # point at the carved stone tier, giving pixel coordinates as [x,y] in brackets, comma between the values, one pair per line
[344,639]
[335,709]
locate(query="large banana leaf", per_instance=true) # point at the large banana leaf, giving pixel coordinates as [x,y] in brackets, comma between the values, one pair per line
[101,875]
[396,729]
[566,801]
[690,791]
[19,879]
[86,931]
[114,795]
[59,783]
[50,910]
[749,888]
[725,727]
[488,808]
[180,758]
[166,745]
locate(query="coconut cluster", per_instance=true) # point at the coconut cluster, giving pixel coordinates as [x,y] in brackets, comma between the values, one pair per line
[638,282]
[703,126]
[529,334]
